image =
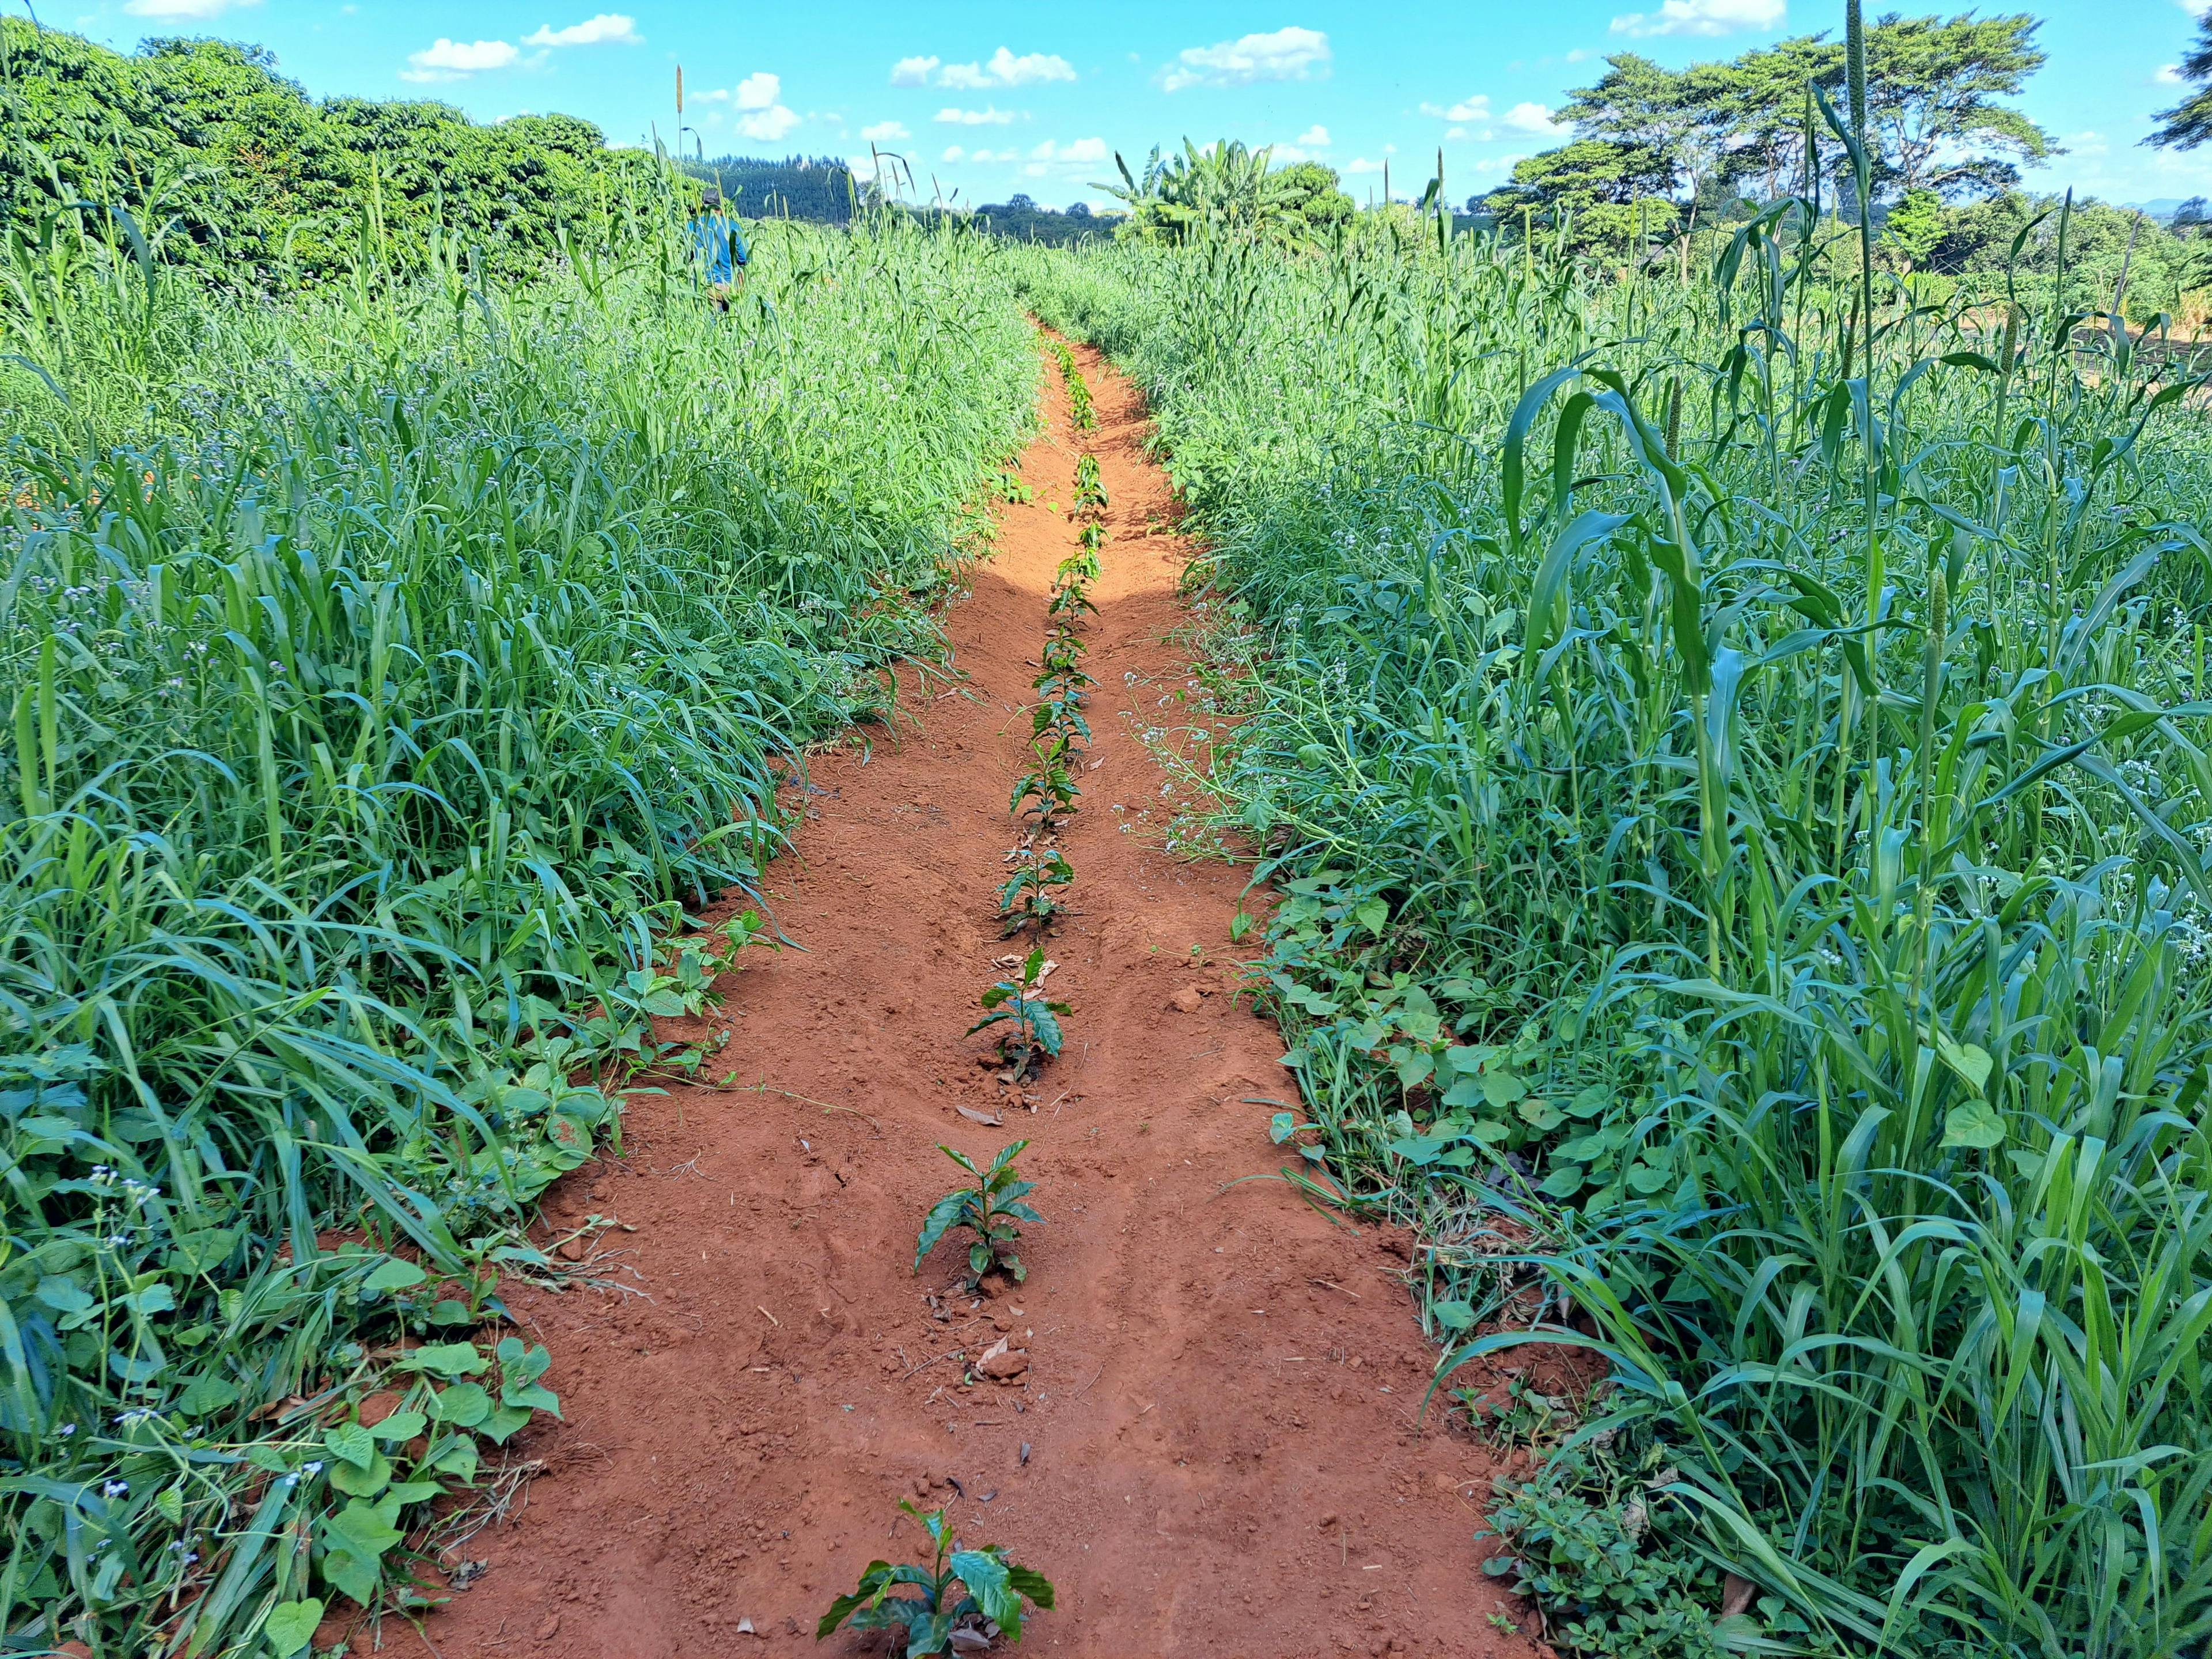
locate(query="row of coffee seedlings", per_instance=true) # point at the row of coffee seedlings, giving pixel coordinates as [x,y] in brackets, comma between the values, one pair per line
[1081,414]
[962,1598]
[1044,797]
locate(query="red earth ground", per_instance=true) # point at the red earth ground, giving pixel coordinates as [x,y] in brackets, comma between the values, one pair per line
[1216,1448]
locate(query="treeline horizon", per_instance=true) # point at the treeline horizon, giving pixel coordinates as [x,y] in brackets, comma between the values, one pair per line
[222,163]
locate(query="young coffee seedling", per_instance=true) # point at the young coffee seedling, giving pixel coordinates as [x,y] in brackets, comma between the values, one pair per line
[1090,489]
[1072,601]
[991,1591]
[1046,793]
[989,1210]
[1063,685]
[1081,414]
[1027,898]
[1063,648]
[1081,567]
[1093,538]
[1059,718]
[1019,1003]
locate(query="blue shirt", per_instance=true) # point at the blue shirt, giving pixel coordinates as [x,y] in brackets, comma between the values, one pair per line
[718,244]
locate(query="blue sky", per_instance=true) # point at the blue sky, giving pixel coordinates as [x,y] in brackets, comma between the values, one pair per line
[988,99]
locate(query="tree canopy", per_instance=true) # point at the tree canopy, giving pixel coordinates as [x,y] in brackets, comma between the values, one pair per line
[1935,110]
[2189,122]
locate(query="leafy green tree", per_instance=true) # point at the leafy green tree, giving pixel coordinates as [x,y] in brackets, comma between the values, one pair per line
[1314,192]
[1690,115]
[1914,225]
[225,164]
[1932,98]
[1935,104]
[2189,122]
[1606,192]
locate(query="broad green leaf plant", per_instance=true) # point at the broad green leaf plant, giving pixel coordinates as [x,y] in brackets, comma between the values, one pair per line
[989,1210]
[1032,1019]
[989,1601]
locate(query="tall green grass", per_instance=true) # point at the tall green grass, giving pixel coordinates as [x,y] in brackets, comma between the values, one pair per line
[1741,802]
[386,674]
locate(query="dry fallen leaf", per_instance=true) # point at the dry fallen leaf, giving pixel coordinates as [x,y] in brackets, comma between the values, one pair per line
[975,1116]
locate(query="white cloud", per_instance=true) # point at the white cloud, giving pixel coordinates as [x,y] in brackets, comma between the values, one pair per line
[759,91]
[189,11]
[608,28]
[912,71]
[1313,138]
[2169,75]
[1476,108]
[976,117]
[769,124]
[1535,119]
[953,153]
[1005,70]
[885,132]
[1080,155]
[1703,17]
[1361,164]
[1288,54]
[2195,8]
[452,60]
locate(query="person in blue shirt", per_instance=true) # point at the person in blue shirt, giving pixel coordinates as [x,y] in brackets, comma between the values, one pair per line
[720,247]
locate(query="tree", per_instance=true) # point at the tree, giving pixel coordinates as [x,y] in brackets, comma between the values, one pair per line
[1913,228]
[2189,122]
[226,165]
[1935,93]
[1588,172]
[1607,190]
[1932,92]
[1314,193]
[1690,115]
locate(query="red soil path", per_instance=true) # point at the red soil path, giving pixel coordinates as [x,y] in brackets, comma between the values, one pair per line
[1214,1449]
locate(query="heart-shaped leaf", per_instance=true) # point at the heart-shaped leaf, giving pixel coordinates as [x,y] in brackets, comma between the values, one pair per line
[291,1625]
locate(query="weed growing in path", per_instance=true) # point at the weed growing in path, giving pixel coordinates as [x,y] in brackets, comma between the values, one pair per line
[989,1210]
[989,1605]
